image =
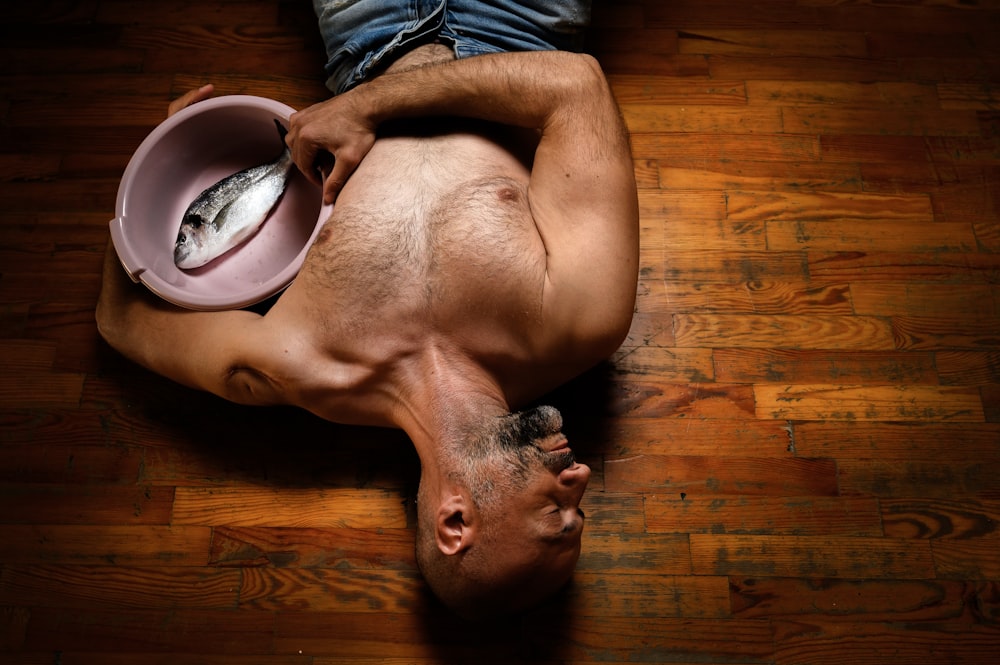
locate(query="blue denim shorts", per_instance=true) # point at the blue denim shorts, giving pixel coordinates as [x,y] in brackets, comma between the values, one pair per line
[364,36]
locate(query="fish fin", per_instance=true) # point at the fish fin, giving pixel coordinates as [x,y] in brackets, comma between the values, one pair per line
[282,132]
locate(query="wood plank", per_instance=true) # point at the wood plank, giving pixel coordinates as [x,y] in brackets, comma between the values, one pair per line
[783,331]
[852,402]
[905,95]
[939,519]
[656,208]
[717,15]
[757,297]
[827,207]
[767,67]
[975,150]
[384,592]
[42,390]
[647,329]
[967,559]
[645,398]
[657,640]
[774,43]
[669,365]
[13,625]
[967,96]
[614,62]
[393,636]
[650,596]
[704,228]
[926,333]
[758,175]
[880,236]
[896,44]
[58,426]
[26,355]
[26,503]
[213,34]
[78,60]
[634,553]
[947,442]
[928,479]
[789,147]
[730,266]
[694,91]
[811,367]
[124,12]
[169,658]
[100,544]
[804,119]
[94,587]
[698,437]
[610,514]
[297,507]
[759,516]
[868,148]
[70,463]
[650,118]
[871,600]
[706,476]
[923,299]
[968,368]
[140,631]
[284,546]
[855,267]
[811,557]
[866,643]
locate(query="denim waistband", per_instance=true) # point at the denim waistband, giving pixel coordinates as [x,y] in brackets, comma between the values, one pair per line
[364,36]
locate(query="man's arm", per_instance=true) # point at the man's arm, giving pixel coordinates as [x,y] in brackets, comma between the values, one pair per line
[582,189]
[203,350]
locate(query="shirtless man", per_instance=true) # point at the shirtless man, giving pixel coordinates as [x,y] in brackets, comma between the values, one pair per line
[459,277]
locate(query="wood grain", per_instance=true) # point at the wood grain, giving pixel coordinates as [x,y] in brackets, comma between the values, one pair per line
[795,452]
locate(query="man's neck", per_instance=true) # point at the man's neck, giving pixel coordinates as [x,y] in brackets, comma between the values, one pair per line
[448,399]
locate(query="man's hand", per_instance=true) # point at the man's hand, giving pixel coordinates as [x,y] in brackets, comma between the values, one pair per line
[338,129]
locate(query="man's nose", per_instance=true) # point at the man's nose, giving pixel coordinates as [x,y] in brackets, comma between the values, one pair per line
[574,480]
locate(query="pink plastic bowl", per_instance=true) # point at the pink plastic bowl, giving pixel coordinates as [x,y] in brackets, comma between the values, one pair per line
[190,151]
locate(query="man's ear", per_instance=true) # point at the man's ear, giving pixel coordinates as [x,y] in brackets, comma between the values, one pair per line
[456,525]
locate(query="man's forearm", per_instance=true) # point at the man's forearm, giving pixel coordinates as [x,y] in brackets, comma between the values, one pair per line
[522,89]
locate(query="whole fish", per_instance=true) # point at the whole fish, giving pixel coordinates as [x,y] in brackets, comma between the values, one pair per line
[230,211]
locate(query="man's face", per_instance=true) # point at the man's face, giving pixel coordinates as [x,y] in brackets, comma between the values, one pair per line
[541,521]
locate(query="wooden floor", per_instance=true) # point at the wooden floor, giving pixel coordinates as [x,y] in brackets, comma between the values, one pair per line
[796,453]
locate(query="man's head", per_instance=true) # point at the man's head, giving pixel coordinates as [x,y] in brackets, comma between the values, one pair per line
[506,531]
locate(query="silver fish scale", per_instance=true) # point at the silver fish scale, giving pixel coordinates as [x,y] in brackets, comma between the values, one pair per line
[231,211]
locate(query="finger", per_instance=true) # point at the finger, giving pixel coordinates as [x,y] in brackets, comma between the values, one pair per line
[331,189]
[304,154]
[335,181]
[189,98]
[323,164]
[303,150]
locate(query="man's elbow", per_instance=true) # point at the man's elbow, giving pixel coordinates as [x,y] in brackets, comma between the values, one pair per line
[107,324]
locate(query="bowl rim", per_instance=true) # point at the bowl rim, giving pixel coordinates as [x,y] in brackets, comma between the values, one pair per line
[133,263]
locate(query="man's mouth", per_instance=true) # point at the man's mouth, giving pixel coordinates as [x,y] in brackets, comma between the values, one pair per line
[556,443]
